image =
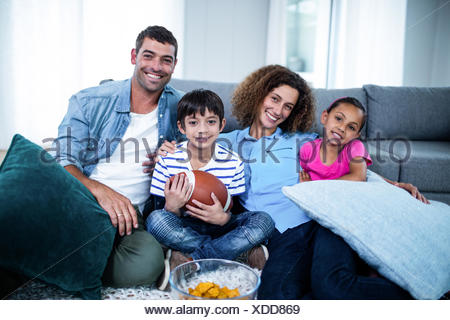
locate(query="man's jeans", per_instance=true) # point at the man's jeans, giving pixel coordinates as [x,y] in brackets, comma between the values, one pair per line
[203,240]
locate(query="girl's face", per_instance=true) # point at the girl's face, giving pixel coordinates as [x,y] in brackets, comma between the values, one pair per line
[342,124]
[275,108]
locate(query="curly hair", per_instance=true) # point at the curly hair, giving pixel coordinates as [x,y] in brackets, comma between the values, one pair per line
[250,93]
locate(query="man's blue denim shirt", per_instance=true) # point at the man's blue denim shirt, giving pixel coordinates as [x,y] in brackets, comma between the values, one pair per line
[97,119]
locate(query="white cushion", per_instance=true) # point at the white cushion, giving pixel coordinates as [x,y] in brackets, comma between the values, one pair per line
[404,239]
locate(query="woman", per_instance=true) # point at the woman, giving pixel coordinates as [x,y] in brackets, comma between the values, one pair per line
[275,105]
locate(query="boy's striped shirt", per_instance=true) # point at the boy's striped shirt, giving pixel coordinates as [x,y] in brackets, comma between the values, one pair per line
[225,165]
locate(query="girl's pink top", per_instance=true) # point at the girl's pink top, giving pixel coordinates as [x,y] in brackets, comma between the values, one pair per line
[311,163]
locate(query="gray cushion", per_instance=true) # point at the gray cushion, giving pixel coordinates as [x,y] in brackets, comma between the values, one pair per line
[224,90]
[438,196]
[409,112]
[383,163]
[422,163]
[325,97]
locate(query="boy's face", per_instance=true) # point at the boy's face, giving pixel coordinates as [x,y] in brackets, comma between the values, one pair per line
[202,131]
[342,124]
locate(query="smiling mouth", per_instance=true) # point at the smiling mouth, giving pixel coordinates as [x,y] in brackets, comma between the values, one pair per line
[336,135]
[201,139]
[271,117]
[153,76]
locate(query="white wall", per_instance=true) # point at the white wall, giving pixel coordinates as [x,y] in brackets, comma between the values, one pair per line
[427,43]
[6,102]
[51,49]
[440,75]
[224,40]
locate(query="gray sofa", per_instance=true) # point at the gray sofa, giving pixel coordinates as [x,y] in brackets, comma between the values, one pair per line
[407,131]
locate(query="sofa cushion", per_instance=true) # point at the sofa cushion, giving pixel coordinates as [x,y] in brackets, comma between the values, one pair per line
[438,196]
[51,226]
[325,97]
[224,90]
[406,240]
[383,163]
[422,163]
[408,112]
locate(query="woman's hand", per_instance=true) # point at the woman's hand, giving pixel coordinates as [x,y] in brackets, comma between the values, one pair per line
[304,176]
[177,193]
[166,147]
[213,214]
[412,190]
[149,165]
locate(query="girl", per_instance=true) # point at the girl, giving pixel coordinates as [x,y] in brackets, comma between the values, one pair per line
[339,155]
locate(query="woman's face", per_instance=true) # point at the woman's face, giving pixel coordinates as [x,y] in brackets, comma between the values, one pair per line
[276,108]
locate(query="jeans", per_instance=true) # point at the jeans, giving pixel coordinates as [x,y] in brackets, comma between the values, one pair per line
[286,275]
[203,240]
[334,273]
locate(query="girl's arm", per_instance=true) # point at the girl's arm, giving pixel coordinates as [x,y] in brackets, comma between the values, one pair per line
[358,170]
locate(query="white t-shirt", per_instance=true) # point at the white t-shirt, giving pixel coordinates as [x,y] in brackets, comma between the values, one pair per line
[123,171]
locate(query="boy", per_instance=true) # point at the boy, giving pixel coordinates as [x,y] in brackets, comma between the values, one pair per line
[206,231]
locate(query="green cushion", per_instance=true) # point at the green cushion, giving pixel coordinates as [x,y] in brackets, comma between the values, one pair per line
[51,226]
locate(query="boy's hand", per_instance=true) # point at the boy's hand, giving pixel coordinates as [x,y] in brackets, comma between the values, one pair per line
[177,193]
[304,176]
[213,214]
[166,147]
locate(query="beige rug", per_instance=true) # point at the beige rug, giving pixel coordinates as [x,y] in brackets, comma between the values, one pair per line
[38,290]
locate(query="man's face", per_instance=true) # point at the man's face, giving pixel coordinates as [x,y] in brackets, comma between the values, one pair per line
[154,64]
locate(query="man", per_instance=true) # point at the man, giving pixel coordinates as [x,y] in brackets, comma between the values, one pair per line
[103,140]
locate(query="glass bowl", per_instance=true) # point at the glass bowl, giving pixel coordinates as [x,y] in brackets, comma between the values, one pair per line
[219,271]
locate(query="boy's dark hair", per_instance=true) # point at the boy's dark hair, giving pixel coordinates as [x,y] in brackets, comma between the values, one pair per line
[352,101]
[198,101]
[159,34]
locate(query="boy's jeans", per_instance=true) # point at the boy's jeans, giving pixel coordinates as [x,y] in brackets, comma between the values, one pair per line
[203,240]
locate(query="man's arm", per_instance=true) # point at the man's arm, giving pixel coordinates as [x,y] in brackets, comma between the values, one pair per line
[72,142]
[118,207]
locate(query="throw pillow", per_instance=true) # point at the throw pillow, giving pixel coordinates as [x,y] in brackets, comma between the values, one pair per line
[51,226]
[404,239]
